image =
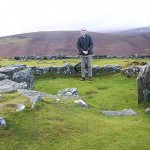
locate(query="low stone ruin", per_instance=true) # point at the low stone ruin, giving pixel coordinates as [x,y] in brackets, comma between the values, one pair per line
[103,56]
[143,84]
[132,71]
[20,78]
[108,68]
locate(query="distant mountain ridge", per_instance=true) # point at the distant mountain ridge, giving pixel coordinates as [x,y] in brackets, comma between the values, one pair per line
[64,43]
[136,31]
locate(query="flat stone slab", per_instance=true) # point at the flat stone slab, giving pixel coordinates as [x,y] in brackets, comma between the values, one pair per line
[31,93]
[125,112]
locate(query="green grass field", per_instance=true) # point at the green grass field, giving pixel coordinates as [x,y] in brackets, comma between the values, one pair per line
[99,62]
[66,126]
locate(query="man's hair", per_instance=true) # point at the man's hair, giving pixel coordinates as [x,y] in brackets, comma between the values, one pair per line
[83,28]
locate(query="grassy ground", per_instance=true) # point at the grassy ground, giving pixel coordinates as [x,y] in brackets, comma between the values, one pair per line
[99,62]
[65,126]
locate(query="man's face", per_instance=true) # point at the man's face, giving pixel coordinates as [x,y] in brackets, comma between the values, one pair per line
[83,31]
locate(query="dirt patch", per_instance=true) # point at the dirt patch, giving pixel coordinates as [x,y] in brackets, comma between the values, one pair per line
[102,88]
[136,63]
[91,92]
[11,105]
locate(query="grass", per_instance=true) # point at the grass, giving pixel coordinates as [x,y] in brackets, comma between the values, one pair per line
[66,126]
[99,62]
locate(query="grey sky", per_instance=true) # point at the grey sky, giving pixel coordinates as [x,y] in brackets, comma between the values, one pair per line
[23,16]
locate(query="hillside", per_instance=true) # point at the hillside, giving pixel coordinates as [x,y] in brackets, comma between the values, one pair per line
[64,43]
[135,31]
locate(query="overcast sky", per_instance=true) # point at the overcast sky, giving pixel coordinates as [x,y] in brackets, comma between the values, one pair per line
[23,16]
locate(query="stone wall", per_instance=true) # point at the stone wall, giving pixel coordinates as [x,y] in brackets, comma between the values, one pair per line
[49,57]
[23,76]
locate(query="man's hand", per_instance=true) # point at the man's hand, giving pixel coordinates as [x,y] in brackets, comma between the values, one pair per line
[85,52]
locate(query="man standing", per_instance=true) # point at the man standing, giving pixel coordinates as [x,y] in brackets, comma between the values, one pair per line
[85,46]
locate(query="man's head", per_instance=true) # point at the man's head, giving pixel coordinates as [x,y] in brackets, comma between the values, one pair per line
[83,31]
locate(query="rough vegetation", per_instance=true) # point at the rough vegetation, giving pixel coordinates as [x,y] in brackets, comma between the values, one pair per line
[64,43]
[63,125]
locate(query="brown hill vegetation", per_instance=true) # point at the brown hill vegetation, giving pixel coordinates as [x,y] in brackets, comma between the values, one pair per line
[64,43]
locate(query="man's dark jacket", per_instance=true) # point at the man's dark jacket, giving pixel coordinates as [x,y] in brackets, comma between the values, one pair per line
[85,44]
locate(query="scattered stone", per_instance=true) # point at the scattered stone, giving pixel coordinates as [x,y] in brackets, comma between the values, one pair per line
[147,110]
[81,103]
[58,100]
[20,107]
[70,92]
[2,122]
[125,112]
[35,99]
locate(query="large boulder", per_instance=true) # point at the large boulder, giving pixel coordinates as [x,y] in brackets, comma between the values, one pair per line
[10,70]
[26,76]
[143,84]
[3,76]
[7,86]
